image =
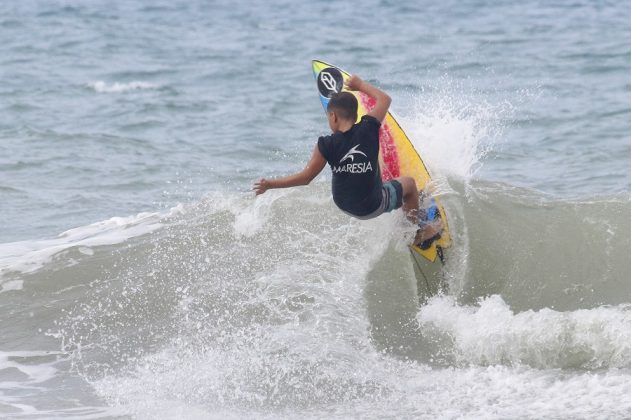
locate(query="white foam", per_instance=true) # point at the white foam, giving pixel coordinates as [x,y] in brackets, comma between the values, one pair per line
[35,373]
[29,256]
[86,250]
[102,87]
[492,333]
[251,218]
[500,392]
[11,285]
[216,385]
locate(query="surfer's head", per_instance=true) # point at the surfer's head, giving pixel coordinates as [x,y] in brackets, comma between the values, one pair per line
[342,109]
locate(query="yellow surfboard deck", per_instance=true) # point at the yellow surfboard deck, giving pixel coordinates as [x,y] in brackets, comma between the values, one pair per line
[397,157]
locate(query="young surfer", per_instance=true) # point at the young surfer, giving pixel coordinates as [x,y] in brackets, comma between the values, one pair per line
[352,151]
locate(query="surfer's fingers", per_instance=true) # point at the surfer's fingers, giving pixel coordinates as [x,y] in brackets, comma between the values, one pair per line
[259,186]
[353,82]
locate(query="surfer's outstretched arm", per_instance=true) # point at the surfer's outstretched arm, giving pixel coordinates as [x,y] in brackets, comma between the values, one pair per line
[304,177]
[382,99]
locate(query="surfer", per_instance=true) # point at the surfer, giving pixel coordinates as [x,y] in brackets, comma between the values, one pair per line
[352,151]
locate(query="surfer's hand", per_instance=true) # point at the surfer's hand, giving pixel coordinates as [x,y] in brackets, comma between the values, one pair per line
[354,82]
[261,186]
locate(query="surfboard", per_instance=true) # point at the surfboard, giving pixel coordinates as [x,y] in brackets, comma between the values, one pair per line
[397,157]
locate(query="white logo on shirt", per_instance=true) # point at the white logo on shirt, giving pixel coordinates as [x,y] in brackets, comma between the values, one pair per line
[351,154]
[353,168]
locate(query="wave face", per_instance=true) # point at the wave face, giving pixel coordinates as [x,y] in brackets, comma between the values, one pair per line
[285,307]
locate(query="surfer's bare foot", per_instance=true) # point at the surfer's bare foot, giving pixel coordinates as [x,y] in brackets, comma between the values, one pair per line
[428,231]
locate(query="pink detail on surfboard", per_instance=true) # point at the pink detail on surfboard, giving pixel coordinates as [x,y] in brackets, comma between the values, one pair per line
[390,168]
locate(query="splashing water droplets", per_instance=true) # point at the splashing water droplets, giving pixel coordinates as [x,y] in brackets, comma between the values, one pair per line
[453,130]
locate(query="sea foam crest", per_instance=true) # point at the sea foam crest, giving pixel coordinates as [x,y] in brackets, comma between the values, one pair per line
[102,87]
[492,334]
[29,256]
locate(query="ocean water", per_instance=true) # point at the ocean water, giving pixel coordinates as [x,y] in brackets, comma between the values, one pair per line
[141,278]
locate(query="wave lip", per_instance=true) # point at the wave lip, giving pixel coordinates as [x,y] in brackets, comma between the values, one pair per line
[102,87]
[30,256]
[492,334]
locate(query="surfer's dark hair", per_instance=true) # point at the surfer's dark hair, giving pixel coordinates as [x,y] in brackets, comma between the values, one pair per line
[344,104]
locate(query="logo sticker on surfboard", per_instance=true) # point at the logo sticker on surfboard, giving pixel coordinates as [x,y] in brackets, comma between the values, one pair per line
[330,81]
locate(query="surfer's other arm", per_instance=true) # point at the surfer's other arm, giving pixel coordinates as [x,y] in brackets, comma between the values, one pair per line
[304,177]
[382,99]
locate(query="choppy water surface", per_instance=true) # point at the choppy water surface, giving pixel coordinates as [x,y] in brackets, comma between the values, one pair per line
[139,277]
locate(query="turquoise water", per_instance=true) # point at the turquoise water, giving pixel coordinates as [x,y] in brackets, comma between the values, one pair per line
[140,278]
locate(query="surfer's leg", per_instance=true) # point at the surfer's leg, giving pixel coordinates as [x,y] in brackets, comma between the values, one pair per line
[402,192]
[430,223]
[411,201]
[410,198]
[428,231]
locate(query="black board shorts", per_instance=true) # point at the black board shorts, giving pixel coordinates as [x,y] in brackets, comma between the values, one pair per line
[391,199]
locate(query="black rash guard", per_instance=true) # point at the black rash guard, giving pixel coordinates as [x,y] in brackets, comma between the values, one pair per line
[354,160]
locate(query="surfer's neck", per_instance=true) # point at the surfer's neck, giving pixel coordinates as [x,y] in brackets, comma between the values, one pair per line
[344,126]
[338,124]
